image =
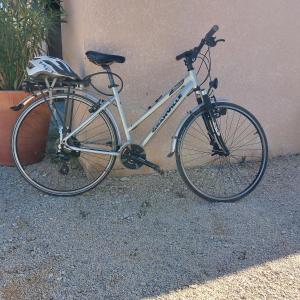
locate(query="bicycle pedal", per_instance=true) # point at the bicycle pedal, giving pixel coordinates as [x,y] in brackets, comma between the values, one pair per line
[170,154]
[159,171]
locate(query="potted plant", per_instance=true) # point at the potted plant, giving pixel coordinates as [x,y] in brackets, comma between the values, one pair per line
[25,28]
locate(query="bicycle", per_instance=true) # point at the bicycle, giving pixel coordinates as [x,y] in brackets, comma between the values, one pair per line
[221,149]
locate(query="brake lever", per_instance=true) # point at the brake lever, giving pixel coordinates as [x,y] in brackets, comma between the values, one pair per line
[212,42]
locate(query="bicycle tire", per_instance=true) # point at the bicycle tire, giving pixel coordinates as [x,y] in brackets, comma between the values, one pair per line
[183,171]
[34,181]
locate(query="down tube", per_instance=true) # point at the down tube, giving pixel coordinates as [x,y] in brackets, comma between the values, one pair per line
[168,112]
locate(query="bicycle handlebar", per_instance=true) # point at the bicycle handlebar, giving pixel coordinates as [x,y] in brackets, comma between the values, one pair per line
[196,50]
[184,54]
[212,31]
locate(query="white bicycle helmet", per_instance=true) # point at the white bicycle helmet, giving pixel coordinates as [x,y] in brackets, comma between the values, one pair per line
[47,66]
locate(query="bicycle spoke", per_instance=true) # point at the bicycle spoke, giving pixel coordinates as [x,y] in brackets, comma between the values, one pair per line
[222,177]
[206,135]
[67,172]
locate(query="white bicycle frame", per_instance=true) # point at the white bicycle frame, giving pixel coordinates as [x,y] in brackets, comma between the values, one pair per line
[183,88]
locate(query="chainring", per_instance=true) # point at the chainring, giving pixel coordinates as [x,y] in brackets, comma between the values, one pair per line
[128,152]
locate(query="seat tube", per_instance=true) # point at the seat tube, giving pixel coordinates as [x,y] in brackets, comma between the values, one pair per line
[122,114]
[113,86]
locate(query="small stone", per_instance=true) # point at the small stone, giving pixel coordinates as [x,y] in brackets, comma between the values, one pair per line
[126,217]
[193,286]
[124,179]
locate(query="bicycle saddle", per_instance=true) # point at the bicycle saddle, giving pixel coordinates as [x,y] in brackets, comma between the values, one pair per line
[103,59]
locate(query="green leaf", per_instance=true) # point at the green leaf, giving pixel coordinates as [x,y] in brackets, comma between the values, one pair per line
[25,25]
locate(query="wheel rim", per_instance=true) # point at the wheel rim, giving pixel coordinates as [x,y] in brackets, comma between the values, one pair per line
[69,172]
[223,178]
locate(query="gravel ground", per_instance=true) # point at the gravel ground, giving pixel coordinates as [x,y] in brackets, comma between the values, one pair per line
[148,237]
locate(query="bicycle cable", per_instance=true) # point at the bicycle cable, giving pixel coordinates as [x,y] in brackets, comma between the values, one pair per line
[88,77]
[204,59]
[207,62]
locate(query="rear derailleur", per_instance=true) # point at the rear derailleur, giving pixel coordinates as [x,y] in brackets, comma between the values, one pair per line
[64,155]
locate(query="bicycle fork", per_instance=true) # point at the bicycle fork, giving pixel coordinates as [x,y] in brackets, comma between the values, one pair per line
[216,139]
[212,127]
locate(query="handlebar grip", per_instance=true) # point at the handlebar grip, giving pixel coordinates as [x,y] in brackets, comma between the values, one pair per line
[184,54]
[180,56]
[213,30]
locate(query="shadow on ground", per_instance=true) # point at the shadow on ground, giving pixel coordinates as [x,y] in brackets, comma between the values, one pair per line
[138,238]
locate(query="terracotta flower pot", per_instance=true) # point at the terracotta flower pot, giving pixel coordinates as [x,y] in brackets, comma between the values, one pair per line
[33,136]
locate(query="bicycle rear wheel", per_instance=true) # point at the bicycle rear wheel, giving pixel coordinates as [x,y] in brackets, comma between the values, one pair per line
[64,172]
[219,177]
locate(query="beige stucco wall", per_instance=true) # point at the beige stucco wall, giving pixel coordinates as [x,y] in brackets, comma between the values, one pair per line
[258,66]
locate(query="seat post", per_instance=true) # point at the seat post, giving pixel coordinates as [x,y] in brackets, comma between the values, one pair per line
[110,76]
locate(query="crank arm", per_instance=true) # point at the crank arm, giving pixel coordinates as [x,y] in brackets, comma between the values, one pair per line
[148,163]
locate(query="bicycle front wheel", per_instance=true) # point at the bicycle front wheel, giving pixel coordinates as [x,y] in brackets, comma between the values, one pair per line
[215,176]
[36,142]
